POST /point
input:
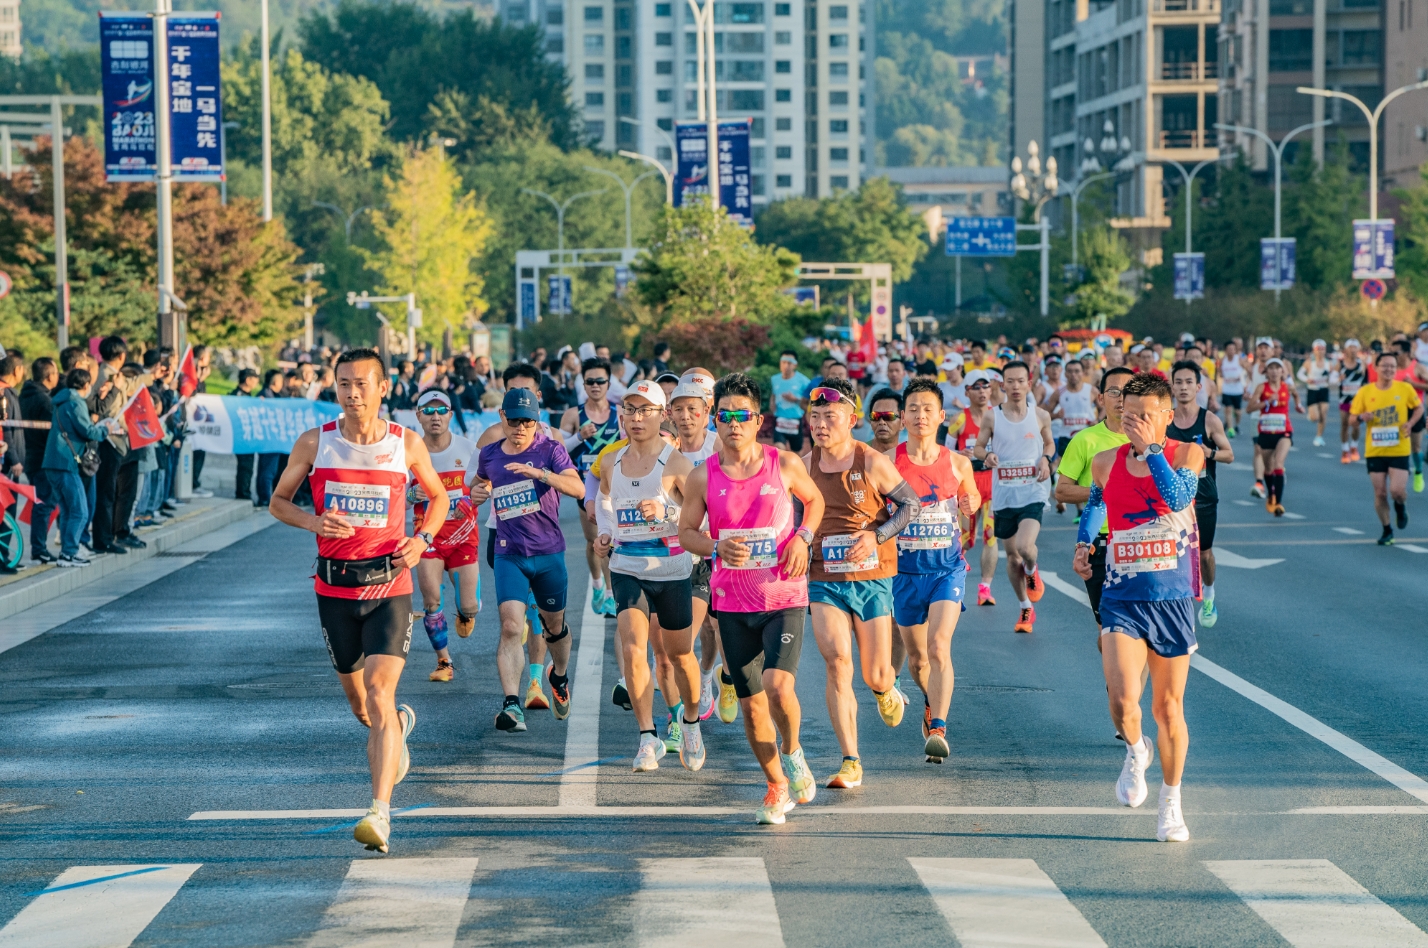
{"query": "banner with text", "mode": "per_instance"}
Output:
(691, 178)
(127, 71)
(226, 424)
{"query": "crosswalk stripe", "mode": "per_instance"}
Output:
(95, 907)
(1002, 903)
(415, 903)
(708, 902)
(1313, 903)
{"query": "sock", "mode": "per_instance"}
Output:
(1024, 603)
(650, 733)
(598, 582)
(1208, 592)
(938, 722)
(1167, 792)
(724, 677)
(558, 681)
(1028, 568)
(1417, 463)
(382, 807)
(511, 701)
(853, 759)
(1279, 481)
(1140, 749)
(676, 713)
(1347, 446)
(536, 671)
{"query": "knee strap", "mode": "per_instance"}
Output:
(552, 639)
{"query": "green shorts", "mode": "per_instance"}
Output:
(863, 598)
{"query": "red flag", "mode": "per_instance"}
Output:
(8, 490)
(187, 374)
(867, 343)
(142, 420)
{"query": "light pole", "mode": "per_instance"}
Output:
(223, 146)
(310, 271)
(560, 216)
(1372, 117)
(1037, 190)
(708, 98)
(350, 217)
(1189, 178)
(169, 323)
(1091, 165)
(266, 39)
(668, 172)
(1278, 151)
(629, 189)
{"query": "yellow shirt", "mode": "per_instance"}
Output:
(1390, 409)
(608, 449)
(1210, 368)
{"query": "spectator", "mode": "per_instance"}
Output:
(203, 365)
(307, 375)
(243, 483)
(404, 388)
(116, 484)
(66, 443)
(328, 381)
(270, 465)
(661, 358)
(36, 405)
(153, 459)
(78, 357)
(12, 374)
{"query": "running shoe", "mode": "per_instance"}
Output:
(1060, 507)
(890, 706)
(1418, 483)
(1278, 509)
(1170, 826)
(1354, 454)
(535, 698)
(1318, 441)
(926, 719)
(607, 606)
(1402, 516)
(620, 696)
(1344, 457)
(691, 747)
(1025, 621)
(511, 718)
(1035, 588)
(984, 595)
(67, 562)
(1229, 432)
(560, 695)
(1130, 788)
(673, 736)
(1258, 489)
(407, 716)
(850, 775)
(597, 600)
(1209, 615)
(1385, 540)
(373, 830)
(801, 785)
(706, 697)
(902, 695)
(728, 705)
(445, 671)
(936, 747)
(776, 804)
(465, 625)
(651, 750)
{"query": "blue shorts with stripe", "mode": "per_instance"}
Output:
(914, 593)
(1167, 625)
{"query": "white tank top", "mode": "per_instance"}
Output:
(699, 457)
(1078, 410)
(1232, 377)
(1018, 447)
(644, 549)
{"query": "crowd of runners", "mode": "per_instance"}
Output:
(719, 513)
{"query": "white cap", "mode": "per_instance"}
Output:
(1264, 341)
(978, 375)
(1278, 362)
(648, 390)
(1137, 348)
(433, 395)
(697, 385)
(1354, 343)
(952, 360)
(1187, 337)
(1320, 344)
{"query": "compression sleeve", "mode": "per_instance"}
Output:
(572, 441)
(908, 504)
(604, 514)
(1093, 517)
(1177, 487)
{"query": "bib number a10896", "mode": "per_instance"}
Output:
(1148, 549)
(361, 505)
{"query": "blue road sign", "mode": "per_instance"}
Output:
(981, 237)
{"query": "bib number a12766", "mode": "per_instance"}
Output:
(1148, 549)
(934, 528)
(515, 500)
(762, 543)
(835, 555)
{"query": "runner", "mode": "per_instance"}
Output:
(524, 475)
(358, 466)
(1271, 399)
(1193, 424)
(1144, 490)
(854, 560)
(746, 492)
(931, 571)
(788, 394)
(587, 430)
(1232, 386)
(1072, 410)
(1352, 375)
(1314, 372)
(457, 548)
(1414, 373)
(885, 417)
(1016, 444)
(962, 436)
(1263, 352)
(641, 487)
(1389, 408)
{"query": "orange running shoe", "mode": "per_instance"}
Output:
(984, 595)
(1026, 621)
(926, 720)
(1035, 588)
(1344, 457)
(1354, 454)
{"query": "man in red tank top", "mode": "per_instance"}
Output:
(963, 431)
(359, 466)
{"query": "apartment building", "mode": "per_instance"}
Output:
(1404, 145)
(10, 29)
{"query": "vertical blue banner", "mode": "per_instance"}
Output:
(560, 298)
(691, 178)
(527, 302)
(1373, 250)
(622, 280)
(1276, 263)
(126, 42)
(195, 100)
(1189, 276)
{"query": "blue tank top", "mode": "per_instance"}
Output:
(606, 434)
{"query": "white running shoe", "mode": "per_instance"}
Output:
(897, 687)
(373, 830)
(801, 785)
(1170, 827)
(407, 716)
(707, 691)
(691, 746)
(1318, 442)
(1131, 789)
(651, 750)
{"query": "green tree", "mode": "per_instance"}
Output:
(1105, 256)
(1412, 262)
(1318, 213)
(1238, 211)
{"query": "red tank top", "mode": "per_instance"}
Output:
(1274, 411)
(367, 484)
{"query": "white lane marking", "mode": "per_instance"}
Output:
(1312, 903)
(1412, 548)
(23, 626)
(602, 812)
(1224, 557)
(1385, 768)
(1290, 515)
(582, 735)
(415, 903)
(1360, 811)
(993, 903)
(708, 902)
(101, 915)
(1349, 531)
(1322, 454)
(1247, 503)
(1077, 593)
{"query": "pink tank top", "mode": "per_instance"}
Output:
(759, 511)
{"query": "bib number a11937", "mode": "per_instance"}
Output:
(515, 500)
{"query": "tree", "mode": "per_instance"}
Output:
(1229, 224)
(1319, 212)
(1412, 263)
(431, 233)
(1105, 257)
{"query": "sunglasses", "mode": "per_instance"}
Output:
(521, 422)
(884, 416)
(434, 410)
(604, 381)
(831, 396)
(729, 416)
(976, 385)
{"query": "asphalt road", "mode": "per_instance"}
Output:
(187, 746)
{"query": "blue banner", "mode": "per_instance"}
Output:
(981, 237)
(527, 301)
(1373, 250)
(127, 77)
(228, 424)
(1276, 263)
(195, 102)
(1189, 276)
(559, 301)
(691, 178)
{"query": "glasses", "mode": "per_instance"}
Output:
(883, 416)
(604, 381)
(521, 422)
(978, 385)
(1112, 393)
(729, 416)
(645, 412)
(831, 396)
(434, 410)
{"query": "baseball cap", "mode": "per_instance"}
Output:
(1320, 344)
(668, 377)
(1187, 337)
(1352, 342)
(1278, 362)
(433, 395)
(1422, 326)
(1264, 341)
(1136, 349)
(694, 386)
(649, 391)
(952, 360)
(978, 375)
(522, 403)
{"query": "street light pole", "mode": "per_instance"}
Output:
(666, 171)
(266, 39)
(629, 190)
(560, 219)
(708, 97)
(169, 328)
(1189, 179)
(350, 217)
(1372, 117)
(659, 166)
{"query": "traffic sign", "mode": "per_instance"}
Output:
(1374, 289)
(5, 284)
(981, 237)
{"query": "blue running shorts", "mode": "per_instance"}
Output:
(863, 598)
(914, 593)
(518, 577)
(1168, 625)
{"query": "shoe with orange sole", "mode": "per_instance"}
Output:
(1035, 588)
(1026, 620)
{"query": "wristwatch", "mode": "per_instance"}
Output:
(805, 534)
(424, 537)
(1154, 449)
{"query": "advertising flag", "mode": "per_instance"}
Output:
(195, 103)
(142, 420)
(127, 69)
(691, 178)
(187, 374)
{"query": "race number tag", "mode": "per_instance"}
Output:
(788, 426)
(1385, 437)
(1147, 549)
(515, 500)
(1076, 424)
(934, 528)
(835, 555)
(1016, 476)
(453, 496)
(1273, 424)
(361, 505)
(762, 543)
(630, 524)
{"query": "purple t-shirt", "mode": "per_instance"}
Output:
(527, 511)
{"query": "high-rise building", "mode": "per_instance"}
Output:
(1404, 145)
(10, 28)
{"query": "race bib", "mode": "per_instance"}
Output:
(1383, 437)
(453, 497)
(1076, 424)
(1349, 389)
(1146, 549)
(835, 555)
(1016, 476)
(762, 543)
(1273, 424)
(515, 500)
(934, 528)
(361, 505)
(631, 525)
(788, 426)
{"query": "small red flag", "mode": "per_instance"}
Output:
(142, 420)
(187, 374)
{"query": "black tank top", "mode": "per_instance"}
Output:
(1206, 492)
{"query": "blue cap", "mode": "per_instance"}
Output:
(521, 403)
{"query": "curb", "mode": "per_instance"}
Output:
(41, 584)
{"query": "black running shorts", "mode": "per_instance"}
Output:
(755, 641)
(1006, 521)
(699, 579)
(1318, 396)
(1268, 442)
(356, 628)
(1098, 578)
(1380, 465)
(669, 599)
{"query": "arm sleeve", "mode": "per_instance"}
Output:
(1093, 517)
(604, 514)
(572, 440)
(908, 504)
(1177, 486)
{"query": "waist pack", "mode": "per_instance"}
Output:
(349, 573)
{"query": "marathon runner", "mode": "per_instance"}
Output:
(457, 548)
(746, 491)
(1072, 410)
(854, 560)
(885, 418)
(524, 475)
(1352, 374)
(587, 430)
(1414, 373)
(1016, 444)
(358, 466)
(1315, 373)
(1193, 424)
(931, 571)
(1272, 398)
(1232, 386)
(1263, 352)
(963, 432)
(1144, 490)
(641, 488)
(788, 394)
(1388, 408)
